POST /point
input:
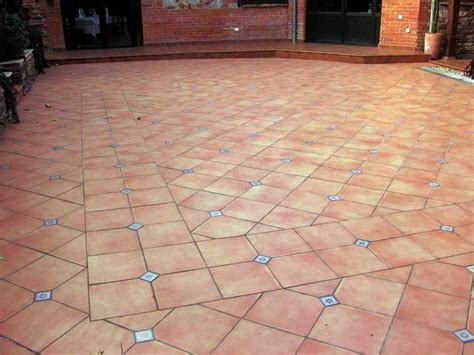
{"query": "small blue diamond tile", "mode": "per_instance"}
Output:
(286, 161)
(126, 191)
(168, 142)
(253, 134)
(256, 183)
(202, 129)
(5, 166)
(58, 147)
(443, 161)
(50, 222)
(188, 171)
(311, 142)
(149, 276)
(470, 268)
(216, 213)
(224, 150)
(135, 226)
(119, 165)
(334, 198)
(362, 243)
(446, 228)
(374, 151)
(356, 171)
(155, 122)
(434, 184)
(55, 177)
(329, 301)
(115, 145)
(262, 259)
(464, 335)
(43, 296)
(144, 335)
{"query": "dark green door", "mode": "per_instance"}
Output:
(344, 21)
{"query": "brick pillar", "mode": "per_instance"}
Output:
(404, 23)
(301, 20)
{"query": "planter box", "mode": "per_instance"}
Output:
(23, 70)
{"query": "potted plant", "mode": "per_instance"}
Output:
(432, 37)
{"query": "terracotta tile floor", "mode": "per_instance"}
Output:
(234, 206)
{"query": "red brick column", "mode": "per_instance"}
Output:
(301, 20)
(404, 23)
(51, 12)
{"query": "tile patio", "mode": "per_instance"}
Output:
(236, 206)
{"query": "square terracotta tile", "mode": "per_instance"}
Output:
(351, 260)
(157, 235)
(283, 217)
(226, 251)
(400, 251)
(286, 310)
(326, 236)
(14, 299)
(439, 277)
(370, 293)
(48, 238)
(207, 201)
(344, 210)
(115, 267)
(243, 279)
(120, 298)
(278, 243)
(408, 337)
(433, 309)
(40, 324)
(265, 194)
(174, 258)
(361, 195)
(442, 244)
(18, 226)
(352, 328)
(412, 222)
(223, 227)
(257, 338)
(46, 273)
(112, 241)
(228, 187)
(282, 180)
(372, 228)
(150, 197)
(102, 220)
(156, 214)
(182, 325)
(104, 202)
(305, 202)
(300, 269)
(247, 209)
(185, 288)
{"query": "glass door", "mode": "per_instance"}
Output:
(101, 23)
(344, 21)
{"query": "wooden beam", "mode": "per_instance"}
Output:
(453, 15)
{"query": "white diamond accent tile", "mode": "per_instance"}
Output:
(256, 183)
(5, 166)
(50, 222)
(188, 171)
(262, 259)
(216, 213)
(434, 184)
(329, 301)
(149, 276)
(144, 335)
(470, 268)
(286, 161)
(464, 335)
(374, 151)
(224, 150)
(55, 177)
(135, 226)
(58, 147)
(334, 198)
(362, 243)
(446, 228)
(443, 161)
(356, 171)
(311, 142)
(43, 296)
(119, 165)
(126, 191)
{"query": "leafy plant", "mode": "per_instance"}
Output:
(14, 36)
(434, 16)
(9, 93)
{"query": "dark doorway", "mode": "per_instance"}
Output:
(102, 23)
(344, 21)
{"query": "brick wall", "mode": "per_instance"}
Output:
(162, 25)
(415, 17)
(51, 11)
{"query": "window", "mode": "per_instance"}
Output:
(262, 2)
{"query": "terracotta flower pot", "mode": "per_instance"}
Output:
(433, 44)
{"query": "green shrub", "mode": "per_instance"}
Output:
(14, 36)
